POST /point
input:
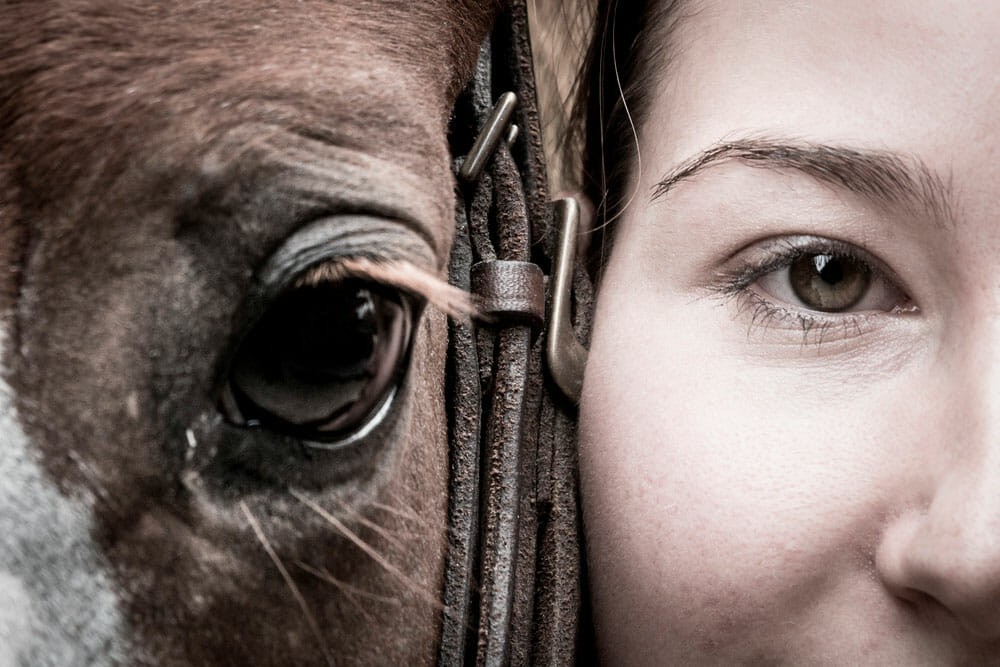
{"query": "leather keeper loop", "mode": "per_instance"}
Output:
(508, 290)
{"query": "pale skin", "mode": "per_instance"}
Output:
(764, 481)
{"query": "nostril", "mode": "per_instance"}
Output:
(916, 598)
(893, 559)
(942, 572)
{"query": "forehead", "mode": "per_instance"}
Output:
(358, 41)
(349, 58)
(105, 87)
(890, 74)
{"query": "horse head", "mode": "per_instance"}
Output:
(224, 237)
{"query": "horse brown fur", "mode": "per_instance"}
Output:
(152, 156)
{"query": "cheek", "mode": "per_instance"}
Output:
(725, 495)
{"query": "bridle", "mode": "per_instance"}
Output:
(514, 580)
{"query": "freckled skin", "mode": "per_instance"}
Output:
(753, 494)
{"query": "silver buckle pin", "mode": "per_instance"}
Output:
(565, 355)
(489, 137)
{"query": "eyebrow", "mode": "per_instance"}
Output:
(882, 176)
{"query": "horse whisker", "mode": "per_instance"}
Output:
(364, 546)
(296, 593)
(382, 531)
(325, 575)
(348, 591)
(100, 491)
(411, 516)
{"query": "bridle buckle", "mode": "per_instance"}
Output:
(565, 356)
(495, 129)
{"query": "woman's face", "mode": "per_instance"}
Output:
(790, 443)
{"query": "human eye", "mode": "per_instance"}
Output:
(814, 284)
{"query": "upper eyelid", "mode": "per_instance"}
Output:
(801, 244)
(782, 250)
(339, 238)
(389, 252)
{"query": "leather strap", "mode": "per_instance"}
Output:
(507, 290)
(513, 570)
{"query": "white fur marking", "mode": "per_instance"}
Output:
(192, 445)
(15, 610)
(57, 602)
(132, 405)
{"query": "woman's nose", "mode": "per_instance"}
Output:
(948, 555)
(943, 555)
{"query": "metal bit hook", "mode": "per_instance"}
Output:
(493, 131)
(565, 355)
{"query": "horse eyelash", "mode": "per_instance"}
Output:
(449, 299)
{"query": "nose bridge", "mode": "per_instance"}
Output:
(949, 550)
(972, 386)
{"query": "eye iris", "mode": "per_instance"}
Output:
(828, 282)
(322, 359)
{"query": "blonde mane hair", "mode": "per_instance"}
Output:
(560, 33)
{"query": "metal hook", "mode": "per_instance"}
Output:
(513, 132)
(565, 355)
(494, 130)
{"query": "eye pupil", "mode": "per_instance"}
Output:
(321, 359)
(327, 349)
(829, 269)
(829, 283)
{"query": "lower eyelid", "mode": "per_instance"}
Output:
(814, 327)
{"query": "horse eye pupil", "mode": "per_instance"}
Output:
(327, 349)
(321, 359)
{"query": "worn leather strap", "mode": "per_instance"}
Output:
(514, 566)
(510, 291)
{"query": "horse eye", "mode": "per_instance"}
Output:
(322, 361)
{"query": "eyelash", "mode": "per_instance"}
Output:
(737, 285)
(815, 328)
